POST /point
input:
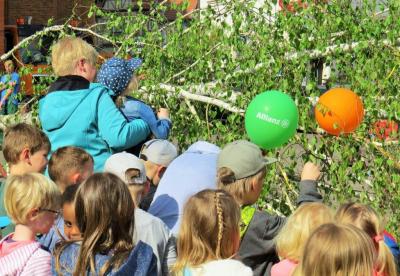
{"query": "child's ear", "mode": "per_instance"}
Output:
(76, 178)
(25, 155)
(32, 214)
(161, 170)
(80, 66)
(254, 183)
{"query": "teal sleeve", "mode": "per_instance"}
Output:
(115, 129)
(10, 228)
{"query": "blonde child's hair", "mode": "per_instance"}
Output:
(133, 85)
(67, 52)
(209, 226)
(29, 191)
(298, 228)
(21, 136)
(337, 250)
(237, 188)
(365, 218)
(67, 160)
(9, 61)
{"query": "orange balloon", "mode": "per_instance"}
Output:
(339, 111)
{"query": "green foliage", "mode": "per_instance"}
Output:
(249, 50)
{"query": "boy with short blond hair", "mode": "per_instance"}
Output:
(32, 201)
(70, 165)
(22, 142)
(25, 149)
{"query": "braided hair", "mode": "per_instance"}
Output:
(209, 229)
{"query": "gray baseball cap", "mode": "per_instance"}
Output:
(159, 151)
(119, 163)
(243, 158)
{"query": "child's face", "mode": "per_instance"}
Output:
(39, 161)
(9, 67)
(71, 229)
(254, 194)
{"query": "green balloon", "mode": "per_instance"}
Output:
(271, 119)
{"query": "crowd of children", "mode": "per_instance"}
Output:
(106, 211)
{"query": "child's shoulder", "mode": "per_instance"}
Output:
(264, 225)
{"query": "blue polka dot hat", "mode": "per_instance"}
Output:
(116, 73)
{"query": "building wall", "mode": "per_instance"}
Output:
(41, 11)
(2, 21)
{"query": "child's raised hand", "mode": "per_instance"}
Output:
(163, 113)
(310, 172)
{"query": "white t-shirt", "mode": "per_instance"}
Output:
(221, 267)
(152, 231)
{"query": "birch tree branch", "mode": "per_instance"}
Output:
(180, 92)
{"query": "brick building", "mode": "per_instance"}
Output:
(40, 11)
(60, 10)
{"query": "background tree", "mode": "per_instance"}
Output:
(207, 65)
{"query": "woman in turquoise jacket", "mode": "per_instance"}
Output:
(76, 112)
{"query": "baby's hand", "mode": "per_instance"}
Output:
(310, 172)
(163, 113)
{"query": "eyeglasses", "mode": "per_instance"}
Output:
(57, 213)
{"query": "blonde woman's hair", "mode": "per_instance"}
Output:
(298, 228)
(337, 250)
(365, 218)
(29, 191)
(209, 227)
(237, 188)
(67, 52)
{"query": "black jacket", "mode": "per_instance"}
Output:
(257, 248)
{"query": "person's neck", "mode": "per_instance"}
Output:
(23, 233)
(18, 169)
(136, 197)
(62, 186)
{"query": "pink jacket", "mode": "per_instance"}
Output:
(28, 259)
(283, 268)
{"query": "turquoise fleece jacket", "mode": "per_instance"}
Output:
(76, 113)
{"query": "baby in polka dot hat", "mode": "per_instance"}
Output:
(119, 75)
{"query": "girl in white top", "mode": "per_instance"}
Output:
(209, 236)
